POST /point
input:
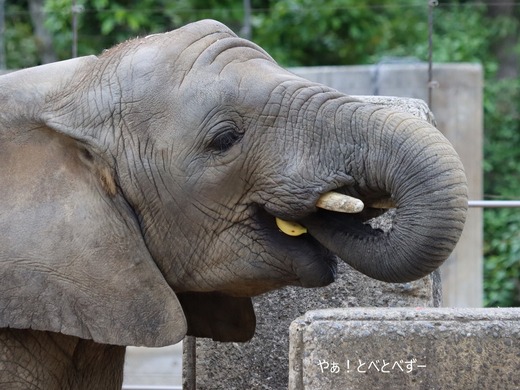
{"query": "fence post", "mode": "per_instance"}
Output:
(189, 363)
(2, 32)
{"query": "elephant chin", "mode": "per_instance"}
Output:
(314, 252)
(311, 263)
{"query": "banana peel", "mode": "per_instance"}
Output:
(290, 228)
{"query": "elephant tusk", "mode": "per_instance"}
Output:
(383, 204)
(332, 201)
(335, 201)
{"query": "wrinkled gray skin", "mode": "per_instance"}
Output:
(140, 188)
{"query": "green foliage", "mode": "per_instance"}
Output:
(58, 22)
(332, 32)
(502, 250)
(501, 172)
(20, 44)
(342, 32)
(459, 36)
(502, 138)
(103, 23)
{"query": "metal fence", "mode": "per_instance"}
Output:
(494, 203)
(145, 387)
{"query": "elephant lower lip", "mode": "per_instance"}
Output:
(311, 263)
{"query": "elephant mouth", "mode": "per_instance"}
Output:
(311, 264)
(333, 201)
(312, 261)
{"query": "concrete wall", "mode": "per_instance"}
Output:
(263, 362)
(434, 349)
(458, 109)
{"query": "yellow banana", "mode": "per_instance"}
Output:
(290, 228)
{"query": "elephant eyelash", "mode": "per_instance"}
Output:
(225, 140)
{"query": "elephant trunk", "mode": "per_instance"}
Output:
(410, 164)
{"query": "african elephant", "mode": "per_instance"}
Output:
(145, 194)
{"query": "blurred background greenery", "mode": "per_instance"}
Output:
(326, 32)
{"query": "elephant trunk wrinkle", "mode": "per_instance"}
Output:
(403, 163)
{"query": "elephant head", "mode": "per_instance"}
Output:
(141, 189)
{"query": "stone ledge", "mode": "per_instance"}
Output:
(416, 107)
(405, 348)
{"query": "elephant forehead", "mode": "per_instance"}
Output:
(199, 44)
(198, 55)
(247, 83)
(208, 40)
(194, 31)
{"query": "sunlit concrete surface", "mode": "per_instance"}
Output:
(153, 368)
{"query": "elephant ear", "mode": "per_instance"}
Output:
(72, 256)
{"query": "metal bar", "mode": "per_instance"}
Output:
(189, 363)
(494, 203)
(431, 5)
(3, 60)
(74, 11)
(246, 28)
(151, 387)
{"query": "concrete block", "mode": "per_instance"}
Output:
(416, 107)
(405, 348)
(263, 362)
(145, 367)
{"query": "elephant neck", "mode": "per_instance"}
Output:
(54, 361)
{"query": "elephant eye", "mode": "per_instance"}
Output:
(225, 139)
